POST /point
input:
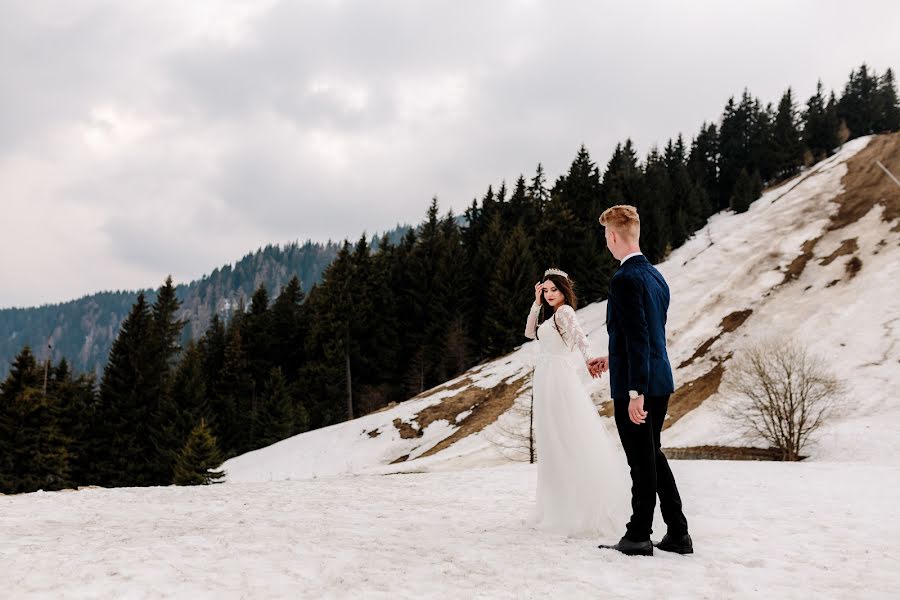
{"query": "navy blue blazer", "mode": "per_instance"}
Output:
(636, 323)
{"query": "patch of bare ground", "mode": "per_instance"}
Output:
(728, 324)
(724, 453)
(486, 406)
(795, 269)
(693, 393)
(407, 431)
(866, 185)
(847, 247)
(606, 408)
(853, 266)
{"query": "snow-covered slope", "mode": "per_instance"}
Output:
(814, 259)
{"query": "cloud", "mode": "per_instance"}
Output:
(155, 137)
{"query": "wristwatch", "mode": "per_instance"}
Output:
(632, 394)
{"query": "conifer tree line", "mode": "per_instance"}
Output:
(390, 321)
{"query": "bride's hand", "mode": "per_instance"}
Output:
(538, 292)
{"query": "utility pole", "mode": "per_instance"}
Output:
(889, 174)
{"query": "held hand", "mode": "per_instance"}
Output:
(599, 365)
(538, 292)
(636, 411)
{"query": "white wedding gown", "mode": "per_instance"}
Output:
(583, 487)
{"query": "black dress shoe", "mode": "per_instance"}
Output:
(626, 546)
(680, 544)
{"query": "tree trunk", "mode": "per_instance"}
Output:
(349, 380)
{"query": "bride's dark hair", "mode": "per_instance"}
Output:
(564, 285)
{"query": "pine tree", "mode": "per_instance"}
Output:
(654, 209)
(686, 214)
(756, 186)
(581, 191)
(453, 279)
(888, 108)
(787, 148)
(509, 294)
(76, 400)
(742, 195)
(189, 393)
(538, 191)
(329, 341)
(34, 450)
(820, 124)
(197, 458)
(289, 327)
(859, 104)
(703, 168)
(163, 413)
(275, 416)
(127, 397)
(490, 246)
(257, 335)
(236, 397)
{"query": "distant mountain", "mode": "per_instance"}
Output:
(83, 330)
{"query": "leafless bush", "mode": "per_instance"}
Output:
(780, 393)
(513, 433)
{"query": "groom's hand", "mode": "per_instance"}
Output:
(636, 411)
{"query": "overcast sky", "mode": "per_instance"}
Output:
(140, 138)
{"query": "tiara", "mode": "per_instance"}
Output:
(555, 271)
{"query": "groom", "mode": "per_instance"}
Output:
(641, 382)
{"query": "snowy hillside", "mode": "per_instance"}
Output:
(814, 259)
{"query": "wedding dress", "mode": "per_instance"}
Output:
(582, 481)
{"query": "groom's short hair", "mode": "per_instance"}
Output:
(624, 219)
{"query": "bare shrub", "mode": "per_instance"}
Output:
(513, 434)
(780, 393)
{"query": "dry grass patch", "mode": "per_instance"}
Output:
(728, 324)
(853, 266)
(406, 430)
(486, 406)
(693, 394)
(847, 247)
(795, 269)
(866, 185)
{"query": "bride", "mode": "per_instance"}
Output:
(581, 485)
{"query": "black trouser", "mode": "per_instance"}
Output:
(650, 472)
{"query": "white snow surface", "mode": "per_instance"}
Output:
(761, 530)
(734, 263)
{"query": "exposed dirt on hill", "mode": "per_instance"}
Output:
(847, 247)
(866, 186)
(728, 324)
(486, 405)
(694, 393)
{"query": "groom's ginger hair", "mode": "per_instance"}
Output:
(624, 219)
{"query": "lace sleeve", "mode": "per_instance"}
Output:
(531, 324)
(572, 332)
